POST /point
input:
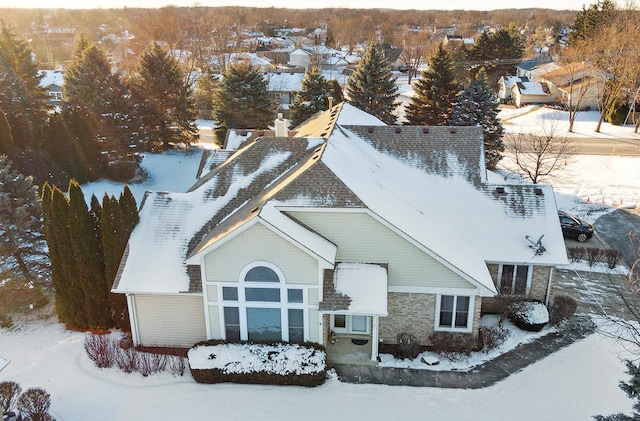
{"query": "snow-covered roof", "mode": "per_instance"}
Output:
(509, 81)
(284, 82)
(532, 88)
(51, 77)
(428, 184)
(365, 284)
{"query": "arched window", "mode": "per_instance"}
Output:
(262, 307)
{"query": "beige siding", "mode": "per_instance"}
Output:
(360, 237)
(170, 320)
(314, 326)
(214, 322)
(260, 243)
(313, 296)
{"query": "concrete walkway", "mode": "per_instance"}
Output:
(487, 374)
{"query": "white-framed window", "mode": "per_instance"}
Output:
(514, 279)
(454, 313)
(351, 324)
(262, 307)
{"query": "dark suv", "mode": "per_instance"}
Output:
(575, 228)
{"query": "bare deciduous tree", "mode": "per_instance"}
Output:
(416, 45)
(537, 157)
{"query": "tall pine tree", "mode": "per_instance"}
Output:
(91, 87)
(436, 92)
(313, 97)
(7, 145)
(21, 230)
(22, 99)
(478, 106)
(242, 101)
(372, 87)
(165, 100)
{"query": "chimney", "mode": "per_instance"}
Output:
(281, 126)
(330, 102)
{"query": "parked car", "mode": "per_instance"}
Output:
(575, 228)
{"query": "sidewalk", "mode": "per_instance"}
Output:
(487, 374)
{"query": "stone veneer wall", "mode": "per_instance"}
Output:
(415, 314)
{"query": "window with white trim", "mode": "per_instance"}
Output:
(262, 307)
(350, 324)
(514, 279)
(454, 312)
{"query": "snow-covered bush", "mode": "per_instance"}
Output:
(278, 363)
(35, 403)
(492, 337)
(101, 349)
(453, 345)
(529, 315)
(9, 393)
(408, 346)
(562, 307)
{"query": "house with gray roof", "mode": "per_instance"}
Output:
(347, 228)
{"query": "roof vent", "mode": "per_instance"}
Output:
(452, 129)
(500, 190)
(369, 129)
(323, 134)
(243, 133)
(537, 191)
(425, 130)
(398, 130)
(254, 210)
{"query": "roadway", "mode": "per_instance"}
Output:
(606, 146)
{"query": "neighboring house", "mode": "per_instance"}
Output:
(533, 68)
(526, 93)
(575, 84)
(52, 81)
(505, 83)
(282, 86)
(262, 63)
(348, 228)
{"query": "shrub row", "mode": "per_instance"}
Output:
(105, 351)
(267, 353)
(594, 255)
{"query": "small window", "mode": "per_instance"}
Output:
(340, 321)
(232, 323)
(271, 295)
(261, 274)
(454, 312)
(294, 296)
(230, 293)
(296, 325)
(514, 279)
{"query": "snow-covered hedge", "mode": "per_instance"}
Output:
(279, 363)
(529, 315)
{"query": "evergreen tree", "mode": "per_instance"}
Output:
(115, 234)
(165, 99)
(436, 92)
(242, 100)
(7, 145)
(69, 294)
(589, 21)
(89, 266)
(129, 210)
(507, 43)
(336, 91)
(313, 97)
(372, 88)
(22, 99)
(632, 389)
(91, 87)
(21, 230)
(478, 106)
(482, 49)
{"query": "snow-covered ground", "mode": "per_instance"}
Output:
(571, 384)
(574, 383)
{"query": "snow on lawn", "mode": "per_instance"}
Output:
(173, 171)
(574, 383)
(540, 119)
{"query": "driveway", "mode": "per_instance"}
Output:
(615, 228)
